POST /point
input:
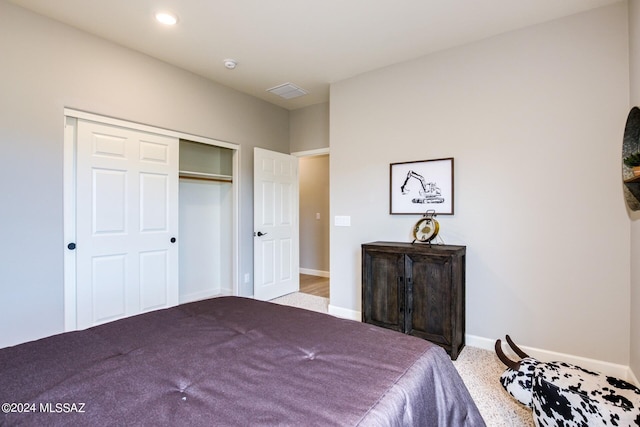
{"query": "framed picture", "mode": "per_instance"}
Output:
(416, 187)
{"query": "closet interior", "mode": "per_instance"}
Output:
(205, 221)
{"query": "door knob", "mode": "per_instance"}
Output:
(71, 246)
(260, 234)
(173, 240)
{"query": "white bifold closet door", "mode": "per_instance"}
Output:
(127, 222)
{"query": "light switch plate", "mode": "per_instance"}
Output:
(342, 221)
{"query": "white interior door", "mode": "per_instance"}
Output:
(275, 219)
(127, 222)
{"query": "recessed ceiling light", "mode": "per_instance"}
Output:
(166, 18)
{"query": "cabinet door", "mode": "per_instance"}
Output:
(383, 289)
(429, 298)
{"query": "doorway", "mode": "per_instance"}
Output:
(314, 222)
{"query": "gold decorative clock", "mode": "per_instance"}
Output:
(426, 229)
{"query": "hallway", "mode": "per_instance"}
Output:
(314, 285)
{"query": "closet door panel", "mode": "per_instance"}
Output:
(127, 212)
(154, 203)
(154, 279)
(109, 204)
(109, 285)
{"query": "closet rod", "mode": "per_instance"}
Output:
(205, 178)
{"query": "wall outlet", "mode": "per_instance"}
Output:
(317, 215)
(246, 277)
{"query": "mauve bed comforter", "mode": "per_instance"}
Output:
(232, 361)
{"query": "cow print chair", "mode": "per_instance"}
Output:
(561, 394)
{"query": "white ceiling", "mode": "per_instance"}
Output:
(310, 43)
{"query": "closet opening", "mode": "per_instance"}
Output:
(205, 200)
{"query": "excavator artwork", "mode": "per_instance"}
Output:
(430, 192)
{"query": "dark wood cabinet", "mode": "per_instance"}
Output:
(417, 289)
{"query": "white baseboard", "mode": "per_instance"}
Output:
(607, 368)
(209, 293)
(312, 272)
(344, 313)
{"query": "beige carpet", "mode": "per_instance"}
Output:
(480, 370)
(307, 301)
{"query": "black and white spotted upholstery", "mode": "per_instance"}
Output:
(561, 394)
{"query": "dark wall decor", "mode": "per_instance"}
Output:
(631, 157)
(415, 187)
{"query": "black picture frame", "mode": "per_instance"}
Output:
(418, 186)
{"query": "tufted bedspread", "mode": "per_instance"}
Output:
(233, 361)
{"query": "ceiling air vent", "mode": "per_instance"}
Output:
(287, 91)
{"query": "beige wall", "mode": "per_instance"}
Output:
(534, 119)
(309, 131)
(314, 202)
(47, 66)
(634, 60)
(309, 128)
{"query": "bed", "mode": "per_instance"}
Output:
(233, 361)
